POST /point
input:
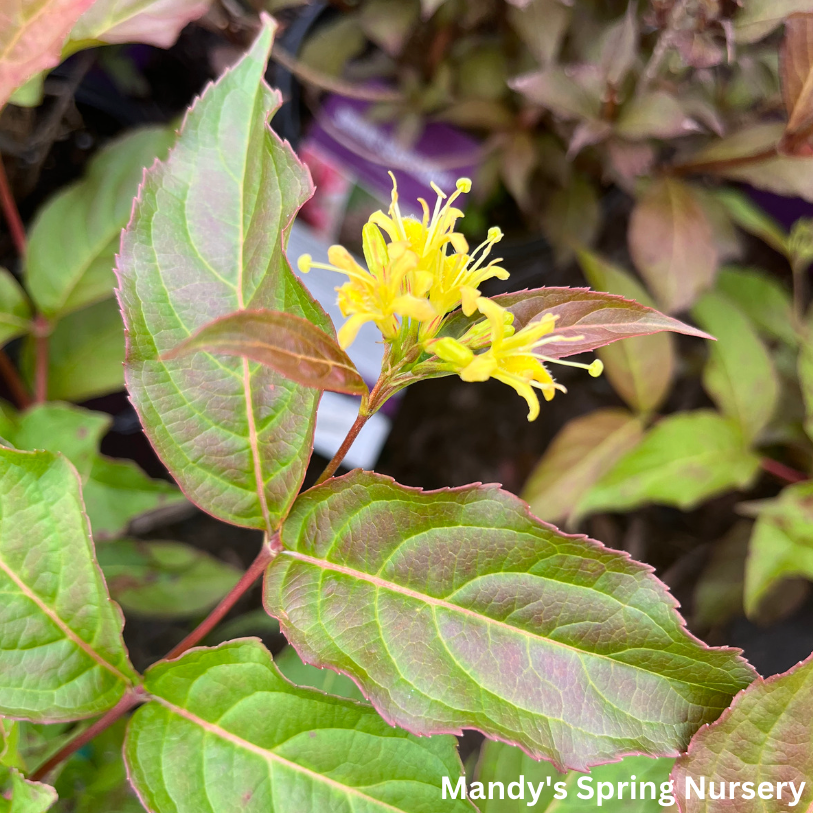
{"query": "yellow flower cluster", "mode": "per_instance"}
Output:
(412, 282)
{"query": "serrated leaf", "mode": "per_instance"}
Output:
(326, 680)
(739, 375)
(503, 763)
(656, 114)
(757, 18)
(762, 298)
(118, 491)
(73, 431)
(61, 652)
(597, 318)
(235, 435)
(31, 37)
(796, 72)
(783, 174)
(764, 737)
(287, 748)
(672, 244)
(640, 369)
(534, 637)
(685, 459)
(558, 91)
(288, 344)
(781, 544)
(15, 312)
(155, 22)
(164, 579)
(85, 354)
(27, 797)
(583, 451)
(749, 217)
(75, 236)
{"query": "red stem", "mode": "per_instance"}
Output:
(12, 215)
(781, 471)
(132, 698)
(336, 461)
(255, 570)
(15, 384)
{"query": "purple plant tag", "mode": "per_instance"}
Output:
(368, 149)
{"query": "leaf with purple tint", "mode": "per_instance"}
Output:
(227, 732)
(458, 609)
(289, 344)
(764, 738)
(61, 652)
(207, 238)
(597, 318)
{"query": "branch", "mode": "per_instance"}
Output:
(15, 384)
(781, 471)
(336, 461)
(10, 212)
(132, 698)
(255, 570)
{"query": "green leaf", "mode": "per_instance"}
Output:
(118, 491)
(559, 92)
(749, 217)
(284, 748)
(781, 544)
(739, 375)
(782, 174)
(541, 25)
(15, 312)
(235, 435)
(75, 237)
(164, 579)
(685, 459)
(757, 18)
(764, 737)
(585, 319)
(583, 451)
(571, 217)
(27, 797)
(286, 343)
(73, 431)
(656, 114)
(506, 764)
(31, 36)
(762, 298)
(672, 244)
(326, 680)
(640, 369)
(86, 354)
(805, 369)
(61, 652)
(457, 609)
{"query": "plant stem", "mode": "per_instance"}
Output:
(42, 330)
(12, 215)
(336, 461)
(132, 697)
(15, 384)
(781, 471)
(255, 570)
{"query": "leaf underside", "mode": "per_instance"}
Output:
(206, 239)
(457, 609)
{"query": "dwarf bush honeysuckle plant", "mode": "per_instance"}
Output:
(451, 610)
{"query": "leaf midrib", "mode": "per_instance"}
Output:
(378, 582)
(270, 756)
(67, 631)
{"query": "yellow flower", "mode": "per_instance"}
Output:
(381, 294)
(512, 357)
(454, 278)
